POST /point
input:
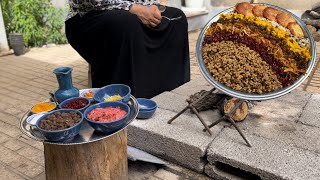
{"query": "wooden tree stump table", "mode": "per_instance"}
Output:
(105, 159)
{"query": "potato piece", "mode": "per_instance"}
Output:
(244, 8)
(295, 29)
(271, 13)
(284, 19)
(258, 10)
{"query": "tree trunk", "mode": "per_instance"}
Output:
(105, 159)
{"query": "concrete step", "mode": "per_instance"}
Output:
(266, 159)
(181, 142)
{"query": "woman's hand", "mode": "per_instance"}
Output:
(149, 15)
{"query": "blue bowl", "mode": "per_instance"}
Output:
(60, 135)
(108, 127)
(114, 89)
(146, 114)
(146, 104)
(63, 103)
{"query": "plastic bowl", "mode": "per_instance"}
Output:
(114, 89)
(146, 104)
(61, 105)
(60, 135)
(146, 114)
(84, 91)
(108, 127)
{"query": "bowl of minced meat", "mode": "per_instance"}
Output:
(107, 116)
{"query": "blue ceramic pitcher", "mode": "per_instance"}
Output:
(66, 89)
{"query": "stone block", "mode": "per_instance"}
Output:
(10, 158)
(182, 142)
(6, 173)
(284, 131)
(4, 137)
(166, 175)
(138, 170)
(266, 158)
(177, 102)
(288, 107)
(30, 169)
(31, 142)
(32, 154)
(193, 86)
(311, 114)
(10, 130)
(171, 101)
(14, 144)
(277, 120)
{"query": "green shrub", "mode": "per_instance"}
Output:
(38, 21)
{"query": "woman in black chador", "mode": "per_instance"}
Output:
(131, 42)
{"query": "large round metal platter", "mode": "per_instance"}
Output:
(87, 133)
(250, 96)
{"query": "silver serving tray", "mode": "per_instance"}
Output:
(249, 96)
(87, 133)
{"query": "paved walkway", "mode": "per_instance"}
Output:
(27, 80)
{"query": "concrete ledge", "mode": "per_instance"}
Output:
(182, 142)
(278, 120)
(267, 159)
(287, 107)
(311, 114)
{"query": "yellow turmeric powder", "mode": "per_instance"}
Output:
(43, 107)
(112, 98)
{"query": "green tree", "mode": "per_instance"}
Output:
(38, 21)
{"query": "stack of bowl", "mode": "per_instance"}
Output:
(147, 108)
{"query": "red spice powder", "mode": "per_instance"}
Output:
(108, 114)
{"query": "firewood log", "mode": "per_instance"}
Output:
(209, 102)
(240, 114)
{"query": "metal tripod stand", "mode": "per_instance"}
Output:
(227, 116)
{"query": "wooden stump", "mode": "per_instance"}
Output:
(105, 159)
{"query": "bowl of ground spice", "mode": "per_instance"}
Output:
(77, 103)
(107, 117)
(60, 125)
(43, 107)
